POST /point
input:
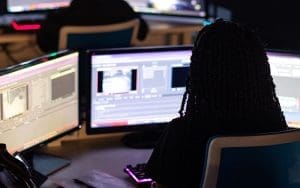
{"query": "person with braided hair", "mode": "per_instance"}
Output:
(229, 91)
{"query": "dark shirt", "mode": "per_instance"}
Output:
(177, 160)
(86, 12)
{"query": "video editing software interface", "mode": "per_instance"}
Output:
(142, 87)
(14, 6)
(171, 7)
(285, 69)
(38, 100)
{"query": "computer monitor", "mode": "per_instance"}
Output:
(135, 88)
(285, 69)
(18, 6)
(180, 10)
(27, 15)
(141, 88)
(39, 101)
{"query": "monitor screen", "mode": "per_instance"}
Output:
(142, 87)
(38, 100)
(135, 87)
(16, 6)
(195, 8)
(285, 69)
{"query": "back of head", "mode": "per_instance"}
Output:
(230, 75)
(84, 4)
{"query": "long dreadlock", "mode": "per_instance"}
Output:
(229, 75)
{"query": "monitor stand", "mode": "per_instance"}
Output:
(41, 165)
(142, 139)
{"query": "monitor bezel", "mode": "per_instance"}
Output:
(138, 127)
(37, 61)
(283, 51)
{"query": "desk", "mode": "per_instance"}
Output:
(160, 33)
(16, 38)
(105, 153)
(17, 47)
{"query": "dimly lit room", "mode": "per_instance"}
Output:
(149, 94)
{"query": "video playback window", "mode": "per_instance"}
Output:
(63, 85)
(14, 102)
(117, 81)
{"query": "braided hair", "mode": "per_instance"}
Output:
(229, 75)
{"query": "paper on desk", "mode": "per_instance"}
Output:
(97, 178)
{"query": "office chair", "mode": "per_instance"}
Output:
(258, 161)
(99, 36)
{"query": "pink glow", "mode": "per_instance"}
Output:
(25, 27)
(135, 178)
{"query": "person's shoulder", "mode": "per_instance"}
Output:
(123, 1)
(177, 120)
(57, 15)
(125, 4)
(179, 123)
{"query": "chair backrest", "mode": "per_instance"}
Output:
(269, 160)
(99, 36)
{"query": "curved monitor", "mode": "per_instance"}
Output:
(135, 88)
(169, 9)
(38, 101)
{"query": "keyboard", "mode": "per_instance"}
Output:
(137, 173)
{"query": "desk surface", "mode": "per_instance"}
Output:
(105, 154)
(20, 47)
(155, 28)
